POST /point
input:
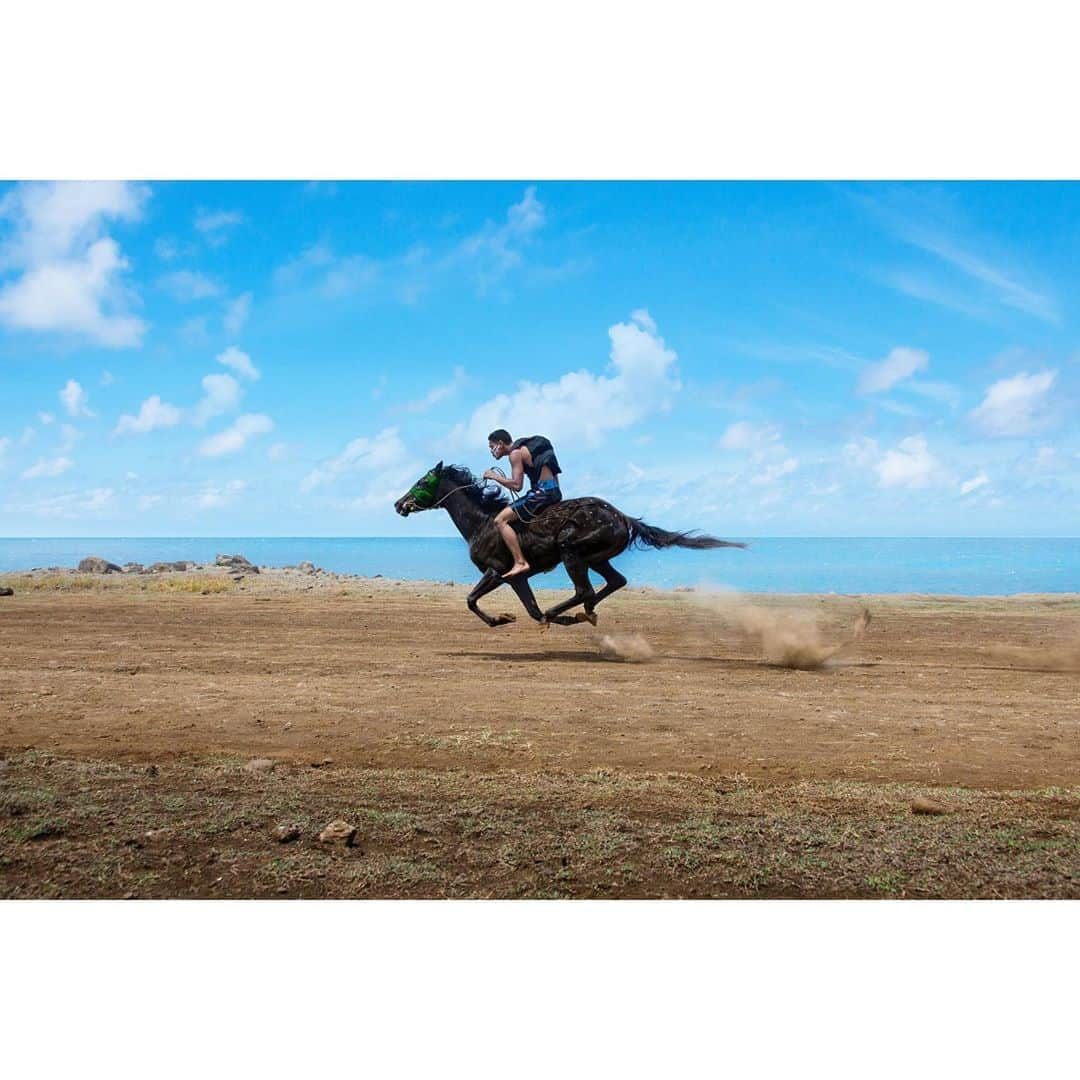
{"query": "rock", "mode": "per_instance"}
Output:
(338, 832)
(920, 805)
(306, 567)
(286, 834)
(132, 568)
(95, 564)
(6, 591)
(236, 562)
(259, 764)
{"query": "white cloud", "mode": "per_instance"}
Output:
(27, 435)
(771, 473)
(379, 453)
(5, 442)
(486, 257)
(747, 436)
(1015, 406)
(146, 501)
(107, 378)
(235, 438)
(70, 274)
(221, 394)
(236, 314)
(861, 451)
(581, 407)
(187, 285)
(240, 362)
(900, 364)
(70, 505)
(48, 468)
(213, 222)
(154, 413)
(69, 436)
(910, 465)
(279, 451)
(438, 393)
(45, 418)
(974, 483)
(498, 248)
(74, 398)
(219, 496)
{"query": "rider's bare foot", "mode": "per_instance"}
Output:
(517, 568)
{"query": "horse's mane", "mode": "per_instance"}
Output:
(491, 501)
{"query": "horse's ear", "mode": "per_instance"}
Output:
(438, 468)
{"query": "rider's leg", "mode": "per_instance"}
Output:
(510, 538)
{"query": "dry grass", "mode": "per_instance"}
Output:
(54, 582)
(184, 583)
(74, 828)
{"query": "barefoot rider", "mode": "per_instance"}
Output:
(534, 457)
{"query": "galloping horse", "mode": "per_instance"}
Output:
(582, 534)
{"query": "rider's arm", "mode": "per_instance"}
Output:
(517, 470)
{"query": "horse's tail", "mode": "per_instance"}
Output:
(652, 536)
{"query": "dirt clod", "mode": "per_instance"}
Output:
(286, 834)
(921, 805)
(259, 764)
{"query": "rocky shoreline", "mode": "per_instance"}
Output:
(226, 568)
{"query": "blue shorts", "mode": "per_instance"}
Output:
(540, 498)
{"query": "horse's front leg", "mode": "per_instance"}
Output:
(490, 581)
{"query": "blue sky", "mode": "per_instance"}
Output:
(748, 358)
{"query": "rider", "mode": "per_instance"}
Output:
(534, 457)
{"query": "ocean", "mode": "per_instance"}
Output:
(960, 567)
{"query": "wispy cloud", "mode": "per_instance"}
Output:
(235, 437)
(900, 364)
(484, 258)
(45, 467)
(438, 393)
(189, 285)
(1005, 285)
(216, 224)
(236, 313)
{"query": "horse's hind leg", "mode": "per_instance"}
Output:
(614, 580)
(583, 590)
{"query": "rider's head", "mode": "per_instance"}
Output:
(499, 442)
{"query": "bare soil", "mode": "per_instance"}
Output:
(526, 762)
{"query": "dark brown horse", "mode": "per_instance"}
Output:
(582, 534)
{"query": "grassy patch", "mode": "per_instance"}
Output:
(54, 583)
(202, 584)
(205, 829)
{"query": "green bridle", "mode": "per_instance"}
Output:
(425, 489)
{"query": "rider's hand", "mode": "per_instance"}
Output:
(489, 474)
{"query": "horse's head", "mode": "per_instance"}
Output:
(422, 495)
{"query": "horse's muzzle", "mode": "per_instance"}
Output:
(406, 505)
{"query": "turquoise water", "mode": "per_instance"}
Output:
(963, 567)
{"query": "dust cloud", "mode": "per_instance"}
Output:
(630, 648)
(791, 639)
(1061, 657)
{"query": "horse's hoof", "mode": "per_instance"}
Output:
(586, 616)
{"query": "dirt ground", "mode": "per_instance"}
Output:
(525, 762)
